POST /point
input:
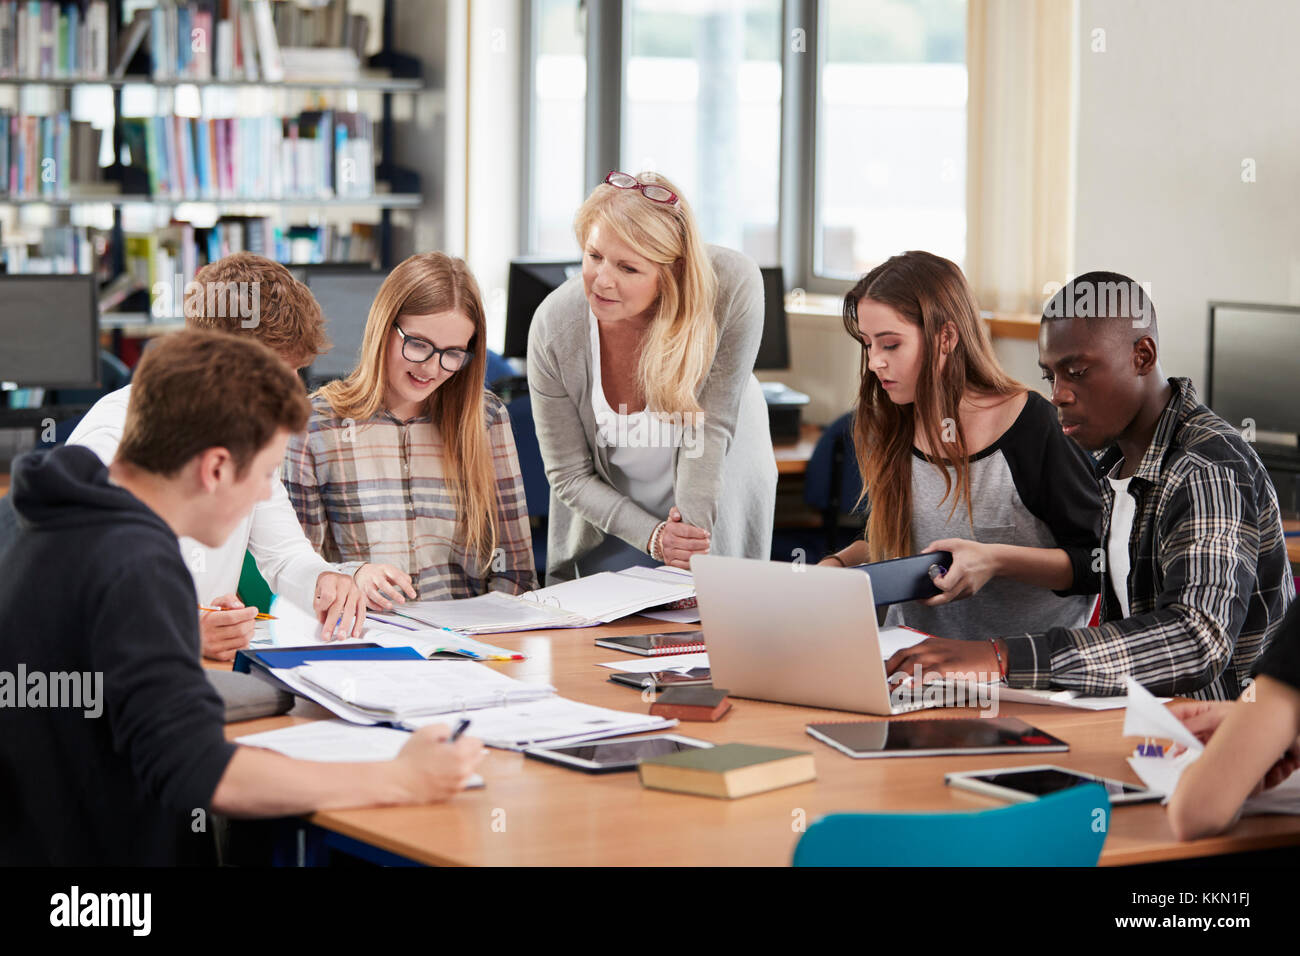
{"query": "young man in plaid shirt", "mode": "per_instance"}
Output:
(1194, 572)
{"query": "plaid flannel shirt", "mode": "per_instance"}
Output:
(1209, 578)
(375, 491)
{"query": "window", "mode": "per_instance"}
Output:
(702, 105)
(556, 178)
(891, 133)
(873, 121)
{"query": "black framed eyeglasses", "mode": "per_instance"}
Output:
(418, 350)
(652, 191)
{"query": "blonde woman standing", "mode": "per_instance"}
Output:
(651, 424)
(409, 461)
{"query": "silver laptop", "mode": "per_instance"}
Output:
(797, 634)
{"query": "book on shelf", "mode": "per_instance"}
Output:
(314, 155)
(52, 249)
(44, 156)
(328, 26)
(45, 39)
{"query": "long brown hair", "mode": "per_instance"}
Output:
(427, 283)
(679, 346)
(930, 292)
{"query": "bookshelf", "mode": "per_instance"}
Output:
(387, 74)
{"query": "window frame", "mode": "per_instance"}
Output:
(799, 188)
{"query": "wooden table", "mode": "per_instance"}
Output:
(535, 814)
(792, 456)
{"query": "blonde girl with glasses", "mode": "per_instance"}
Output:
(651, 424)
(409, 461)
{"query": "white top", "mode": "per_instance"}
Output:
(271, 531)
(640, 444)
(1121, 529)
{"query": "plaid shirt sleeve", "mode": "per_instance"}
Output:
(300, 481)
(511, 569)
(1208, 542)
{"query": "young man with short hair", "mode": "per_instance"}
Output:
(96, 599)
(1195, 579)
(251, 296)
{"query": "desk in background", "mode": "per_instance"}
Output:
(534, 814)
(792, 456)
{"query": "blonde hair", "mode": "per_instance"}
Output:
(427, 283)
(683, 335)
(931, 293)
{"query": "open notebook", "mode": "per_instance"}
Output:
(583, 602)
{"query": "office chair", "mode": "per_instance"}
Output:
(1063, 829)
(832, 485)
(537, 490)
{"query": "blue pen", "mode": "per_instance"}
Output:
(460, 729)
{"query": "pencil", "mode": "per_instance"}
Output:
(260, 616)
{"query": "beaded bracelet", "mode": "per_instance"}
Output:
(656, 540)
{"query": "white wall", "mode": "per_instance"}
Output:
(1184, 92)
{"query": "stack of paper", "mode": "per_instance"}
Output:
(584, 602)
(397, 691)
(503, 712)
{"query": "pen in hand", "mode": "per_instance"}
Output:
(460, 729)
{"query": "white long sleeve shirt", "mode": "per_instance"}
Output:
(271, 532)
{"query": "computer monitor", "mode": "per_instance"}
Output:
(1251, 366)
(345, 295)
(774, 348)
(49, 331)
(530, 281)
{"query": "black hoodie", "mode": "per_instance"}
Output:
(94, 594)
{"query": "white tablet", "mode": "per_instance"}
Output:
(606, 756)
(1023, 784)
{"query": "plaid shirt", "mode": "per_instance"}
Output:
(1209, 578)
(375, 491)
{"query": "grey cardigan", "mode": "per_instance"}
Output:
(727, 487)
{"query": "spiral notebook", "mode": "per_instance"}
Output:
(583, 602)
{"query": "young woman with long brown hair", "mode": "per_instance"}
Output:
(408, 461)
(957, 456)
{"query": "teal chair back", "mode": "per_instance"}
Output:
(1064, 829)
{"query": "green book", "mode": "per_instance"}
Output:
(728, 770)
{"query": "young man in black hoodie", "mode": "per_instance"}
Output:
(112, 749)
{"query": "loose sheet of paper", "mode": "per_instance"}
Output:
(681, 615)
(668, 662)
(895, 639)
(335, 741)
(1147, 717)
(487, 613)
